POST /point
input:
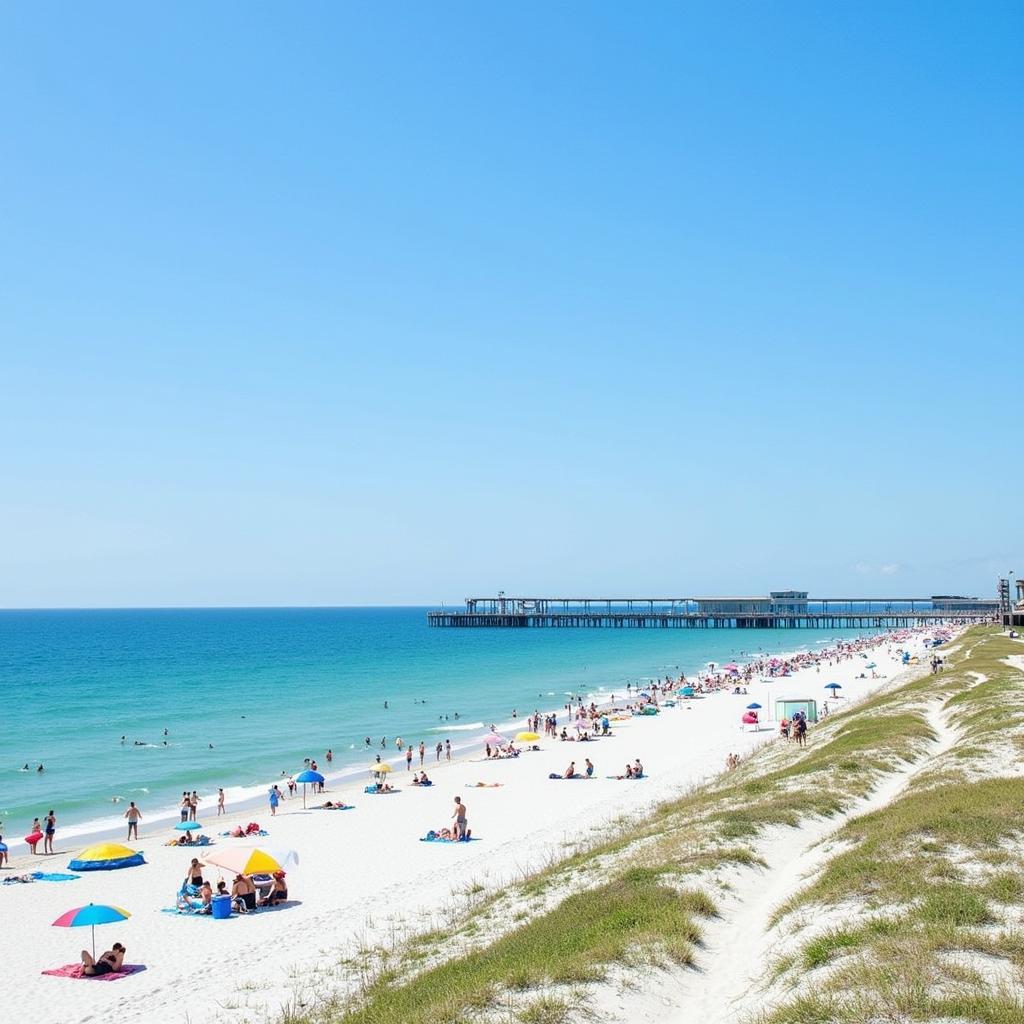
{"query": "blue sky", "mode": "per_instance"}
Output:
(341, 304)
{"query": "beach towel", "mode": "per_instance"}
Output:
(241, 835)
(347, 807)
(374, 791)
(625, 778)
(433, 837)
(484, 785)
(75, 971)
(570, 778)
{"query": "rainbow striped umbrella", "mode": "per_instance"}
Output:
(91, 915)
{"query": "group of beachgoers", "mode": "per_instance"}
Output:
(247, 893)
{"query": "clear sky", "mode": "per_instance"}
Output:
(338, 303)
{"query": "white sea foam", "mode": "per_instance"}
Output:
(461, 727)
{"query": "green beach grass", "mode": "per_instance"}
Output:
(931, 875)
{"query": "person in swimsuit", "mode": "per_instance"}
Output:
(243, 893)
(194, 875)
(4, 858)
(570, 772)
(220, 803)
(279, 892)
(590, 767)
(193, 806)
(37, 830)
(186, 804)
(133, 814)
(108, 963)
(459, 814)
(49, 830)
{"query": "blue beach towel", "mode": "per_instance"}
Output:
(433, 837)
(347, 807)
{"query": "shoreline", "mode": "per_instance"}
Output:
(351, 779)
(364, 878)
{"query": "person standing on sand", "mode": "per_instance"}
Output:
(408, 758)
(423, 750)
(459, 814)
(220, 802)
(50, 827)
(447, 750)
(437, 751)
(185, 805)
(275, 799)
(193, 806)
(133, 814)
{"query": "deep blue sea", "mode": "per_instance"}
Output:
(268, 687)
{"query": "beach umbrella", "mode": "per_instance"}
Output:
(91, 915)
(687, 691)
(285, 856)
(871, 664)
(754, 706)
(833, 687)
(308, 776)
(188, 826)
(254, 861)
(106, 857)
(381, 768)
(527, 737)
(493, 737)
(731, 667)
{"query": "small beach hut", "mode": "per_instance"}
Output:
(106, 857)
(786, 707)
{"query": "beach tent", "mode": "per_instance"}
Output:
(106, 857)
(786, 707)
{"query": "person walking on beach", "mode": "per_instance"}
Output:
(186, 803)
(133, 814)
(408, 758)
(459, 814)
(275, 799)
(423, 750)
(50, 827)
(437, 751)
(447, 750)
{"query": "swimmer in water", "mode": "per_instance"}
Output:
(39, 769)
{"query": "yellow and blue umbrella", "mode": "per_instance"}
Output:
(106, 857)
(91, 915)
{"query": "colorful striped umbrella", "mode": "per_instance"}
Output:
(92, 915)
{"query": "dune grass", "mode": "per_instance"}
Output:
(943, 866)
(637, 894)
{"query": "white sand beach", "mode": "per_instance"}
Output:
(364, 877)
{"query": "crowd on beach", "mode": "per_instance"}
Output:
(580, 720)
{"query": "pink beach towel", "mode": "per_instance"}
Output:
(75, 971)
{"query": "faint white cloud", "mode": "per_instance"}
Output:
(889, 570)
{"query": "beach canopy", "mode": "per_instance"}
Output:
(493, 737)
(754, 706)
(188, 826)
(527, 737)
(91, 915)
(244, 862)
(380, 767)
(106, 857)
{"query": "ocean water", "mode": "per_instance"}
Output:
(269, 687)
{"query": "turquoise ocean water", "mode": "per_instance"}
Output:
(268, 687)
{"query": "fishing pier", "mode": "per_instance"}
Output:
(784, 609)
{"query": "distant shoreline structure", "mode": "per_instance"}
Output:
(780, 609)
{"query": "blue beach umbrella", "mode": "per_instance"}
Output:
(308, 776)
(92, 915)
(833, 687)
(687, 691)
(188, 826)
(754, 706)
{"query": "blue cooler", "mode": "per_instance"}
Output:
(221, 907)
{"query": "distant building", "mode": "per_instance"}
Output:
(957, 603)
(778, 602)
